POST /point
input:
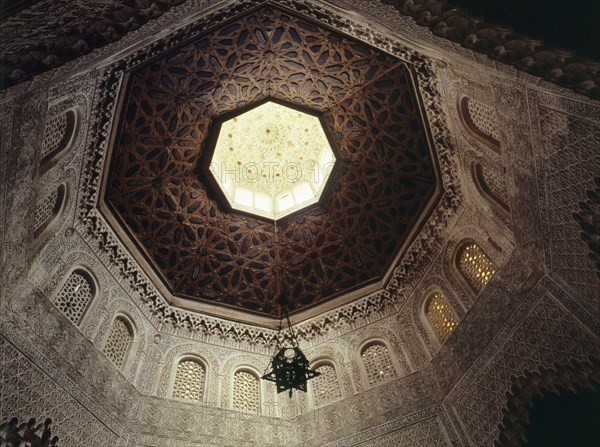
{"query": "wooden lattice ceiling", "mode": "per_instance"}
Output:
(204, 252)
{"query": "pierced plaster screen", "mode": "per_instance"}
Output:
(47, 208)
(189, 381)
(58, 134)
(118, 342)
(55, 134)
(440, 316)
(246, 392)
(325, 387)
(475, 266)
(493, 185)
(483, 118)
(378, 363)
(272, 160)
(74, 297)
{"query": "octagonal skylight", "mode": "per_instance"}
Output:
(272, 160)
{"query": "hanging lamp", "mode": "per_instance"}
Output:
(289, 366)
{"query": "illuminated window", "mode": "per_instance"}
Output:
(75, 296)
(246, 392)
(440, 316)
(118, 342)
(475, 266)
(272, 160)
(189, 381)
(325, 387)
(378, 363)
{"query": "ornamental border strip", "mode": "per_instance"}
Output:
(99, 235)
(47, 367)
(440, 17)
(390, 427)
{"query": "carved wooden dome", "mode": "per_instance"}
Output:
(202, 250)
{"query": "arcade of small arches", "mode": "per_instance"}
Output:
(189, 375)
(189, 378)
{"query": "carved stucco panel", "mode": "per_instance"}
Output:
(6, 130)
(28, 392)
(19, 201)
(567, 148)
(428, 433)
(520, 162)
(164, 422)
(547, 335)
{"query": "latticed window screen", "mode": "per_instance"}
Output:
(495, 185)
(44, 209)
(74, 297)
(475, 266)
(378, 363)
(118, 342)
(483, 118)
(440, 316)
(189, 380)
(246, 392)
(54, 134)
(325, 387)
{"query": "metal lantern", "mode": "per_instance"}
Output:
(289, 370)
(289, 366)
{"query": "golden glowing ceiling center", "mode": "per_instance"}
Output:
(272, 160)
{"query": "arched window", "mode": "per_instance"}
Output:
(75, 296)
(325, 387)
(378, 363)
(480, 119)
(246, 391)
(440, 315)
(58, 134)
(475, 266)
(189, 380)
(491, 186)
(47, 208)
(119, 341)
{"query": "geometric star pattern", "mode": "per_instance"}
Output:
(384, 179)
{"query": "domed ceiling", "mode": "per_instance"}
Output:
(161, 194)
